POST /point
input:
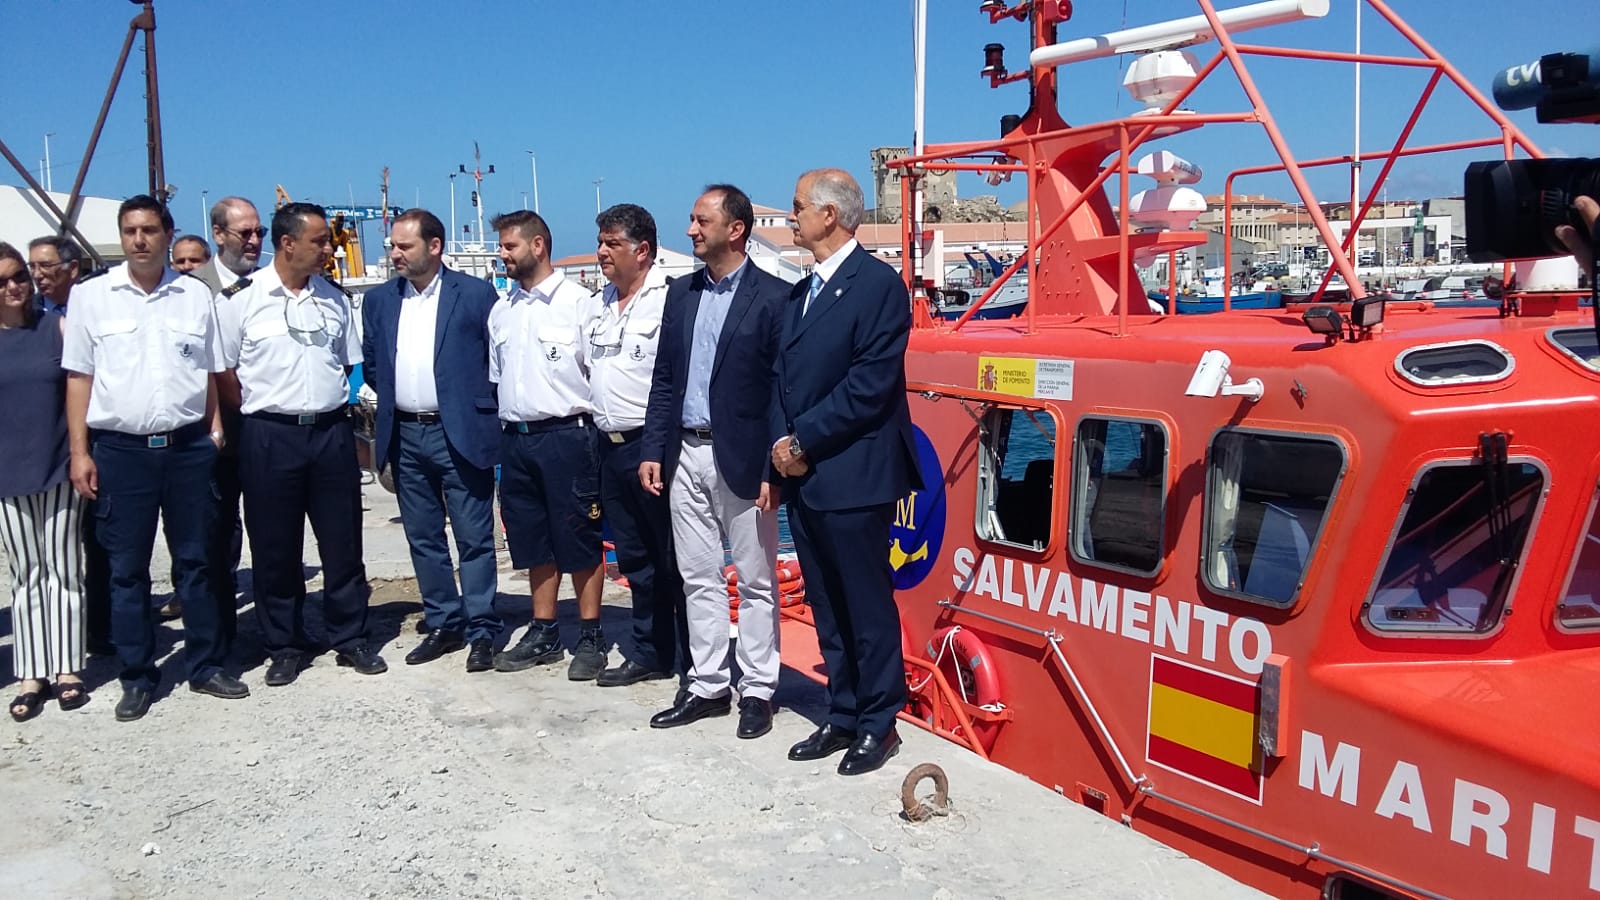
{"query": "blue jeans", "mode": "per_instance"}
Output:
(136, 484)
(429, 476)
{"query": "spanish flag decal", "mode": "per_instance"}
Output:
(1203, 725)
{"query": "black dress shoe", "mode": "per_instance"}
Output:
(222, 685)
(435, 645)
(824, 742)
(284, 670)
(629, 672)
(363, 660)
(692, 709)
(755, 717)
(480, 657)
(869, 753)
(134, 704)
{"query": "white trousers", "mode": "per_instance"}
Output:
(41, 537)
(705, 513)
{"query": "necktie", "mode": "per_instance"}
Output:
(811, 295)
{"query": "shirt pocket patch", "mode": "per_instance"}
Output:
(556, 342)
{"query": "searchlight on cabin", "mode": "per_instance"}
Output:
(1176, 33)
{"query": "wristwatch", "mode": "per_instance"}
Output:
(794, 448)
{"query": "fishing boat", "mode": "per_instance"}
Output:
(1244, 582)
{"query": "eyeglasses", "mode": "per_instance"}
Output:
(20, 279)
(306, 331)
(245, 234)
(46, 266)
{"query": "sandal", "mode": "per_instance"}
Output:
(71, 694)
(31, 702)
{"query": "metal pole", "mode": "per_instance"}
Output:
(158, 169)
(48, 184)
(205, 211)
(597, 209)
(66, 223)
(452, 212)
(534, 165)
(75, 197)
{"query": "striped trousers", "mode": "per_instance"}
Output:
(41, 537)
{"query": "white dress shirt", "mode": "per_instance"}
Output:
(827, 267)
(540, 356)
(622, 351)
(226, 276)
(415, 391)
(151, 354)
(289, 348)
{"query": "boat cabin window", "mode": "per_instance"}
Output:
(1119, 482)
(1462, 362)
(1580, 602)
(1578, 344)
(1016, 477)
(1461, 537)
(1267, 496)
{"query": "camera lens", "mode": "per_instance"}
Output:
(1514, 206)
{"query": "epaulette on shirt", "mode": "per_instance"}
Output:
(236, 287)
(96, 273)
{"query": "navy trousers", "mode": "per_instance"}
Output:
(429, 475)
(290, 473)
(844, 557)
(138, 484)
(227, 540)
(641, 529)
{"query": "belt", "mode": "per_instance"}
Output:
(540, 426)
(429, 418)
(337, 414)
(703, 434)
(175, 438)
(622, 437)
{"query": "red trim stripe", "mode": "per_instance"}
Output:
(1206, 768)
(1239, 695)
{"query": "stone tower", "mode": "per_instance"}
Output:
(937, 189)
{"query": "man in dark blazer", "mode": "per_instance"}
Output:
(842, 437)
(706, 443)
(425, 352)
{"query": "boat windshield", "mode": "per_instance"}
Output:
(1580, 602)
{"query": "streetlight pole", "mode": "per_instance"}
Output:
(452, 212)
(533, 163)
(597, 182)
(47, 136)
(204, 211)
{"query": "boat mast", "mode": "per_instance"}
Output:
(919, 62)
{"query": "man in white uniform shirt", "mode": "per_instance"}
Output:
(622, 350)
(549, 462)
(139, 350)
(288, 337)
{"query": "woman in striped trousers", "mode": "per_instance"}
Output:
(39, 509)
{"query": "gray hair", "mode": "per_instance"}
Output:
(836, 188)
(66, 249)
(219, 210)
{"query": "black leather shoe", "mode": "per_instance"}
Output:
(824, 742)
(537, 647)
(869, 753)
(363, 660)
(629, 672)
(134, 704)
(222, 685)
(435, 645)
(480, 658)
(692, 709)
(284, 670)
(755, 717)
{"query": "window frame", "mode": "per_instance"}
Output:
(1506, 608)
(1076, 496)
(1572, 572)
(982, 508)
(1209, 499)
(1455, 380)
(1566, 352)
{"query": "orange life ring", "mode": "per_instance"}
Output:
(966, 664)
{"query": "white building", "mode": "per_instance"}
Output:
(23, 217)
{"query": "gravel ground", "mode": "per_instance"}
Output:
(429, 782)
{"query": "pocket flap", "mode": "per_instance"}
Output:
(265, 327)
(186, 326)
(645, 327)
(557, 334)
(116, 326)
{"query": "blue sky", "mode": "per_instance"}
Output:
(659, 98)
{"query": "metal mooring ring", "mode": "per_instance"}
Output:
(917, 811)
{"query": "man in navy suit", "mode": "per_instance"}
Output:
(425, 351)
(842, 437)
(706, 443)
